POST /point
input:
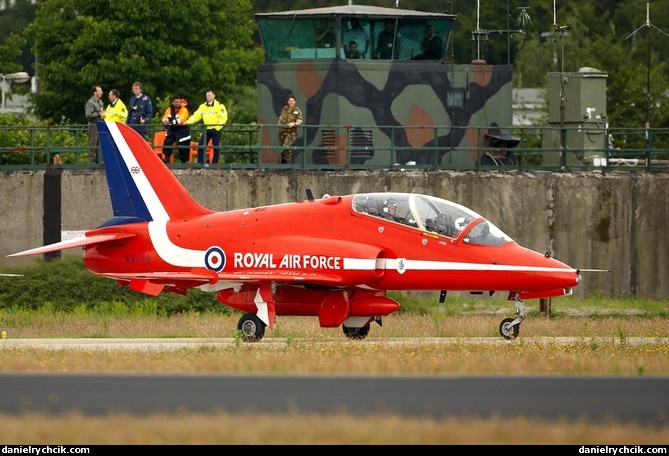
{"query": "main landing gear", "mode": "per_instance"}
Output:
(359, 332)
(510, 327)
(356, 333)
(252, 328)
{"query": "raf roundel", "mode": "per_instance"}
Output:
(214, 259)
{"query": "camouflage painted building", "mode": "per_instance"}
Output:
(374, 110)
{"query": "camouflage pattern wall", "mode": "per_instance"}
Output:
(429, 103)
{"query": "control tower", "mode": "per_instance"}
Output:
(394, 98)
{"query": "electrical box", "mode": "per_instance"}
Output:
(584, 96)
(584, 143)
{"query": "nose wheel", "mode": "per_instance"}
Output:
(508, 330)
(510, 327)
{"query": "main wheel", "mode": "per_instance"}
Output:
(507, 330)
(251, 327)
(356, 333)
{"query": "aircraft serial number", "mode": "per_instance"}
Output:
(137, 259)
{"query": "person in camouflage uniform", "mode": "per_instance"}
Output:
(289, 120)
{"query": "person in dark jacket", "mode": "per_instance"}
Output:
(140, 110)
(388, 42)
(431, 45)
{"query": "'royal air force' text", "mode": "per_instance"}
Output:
(267, 260)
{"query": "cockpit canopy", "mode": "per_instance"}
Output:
(428, 213)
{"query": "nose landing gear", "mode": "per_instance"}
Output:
(510, 327)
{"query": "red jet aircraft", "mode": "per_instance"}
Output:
(334, 257)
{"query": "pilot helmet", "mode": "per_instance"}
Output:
(389, 203)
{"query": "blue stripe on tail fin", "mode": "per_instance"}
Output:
(127, 202)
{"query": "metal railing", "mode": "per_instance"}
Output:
(571, 148)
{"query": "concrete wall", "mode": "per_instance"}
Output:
(613, 221)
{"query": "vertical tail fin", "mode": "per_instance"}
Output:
(142, 188)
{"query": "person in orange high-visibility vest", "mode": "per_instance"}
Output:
(178, 131)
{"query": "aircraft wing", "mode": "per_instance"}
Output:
(153, 283)
(78, 242)
(312, 278)
(207, 276)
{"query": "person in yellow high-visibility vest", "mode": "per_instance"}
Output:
(213, 115)
(116, 110)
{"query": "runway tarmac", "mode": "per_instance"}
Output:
(642, 400)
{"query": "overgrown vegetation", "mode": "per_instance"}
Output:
(65, 285)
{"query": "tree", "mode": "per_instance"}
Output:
(10, 54)
(627, 81)
(179, 48)
(13, 20)
(188, 47)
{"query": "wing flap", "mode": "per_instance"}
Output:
(204, 275)
(317, 278)
(71, 243)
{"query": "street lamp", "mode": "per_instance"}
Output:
(21, 76)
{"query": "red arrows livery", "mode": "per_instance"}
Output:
(334, 257)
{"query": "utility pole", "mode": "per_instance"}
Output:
(645, 30)
(563, 94)
(481, 51)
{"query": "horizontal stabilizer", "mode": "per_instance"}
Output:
(78, 242)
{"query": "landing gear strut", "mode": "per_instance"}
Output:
(510, 327)
(252, 328)
(359, 332)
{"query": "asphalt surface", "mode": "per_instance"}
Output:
(628, 399)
